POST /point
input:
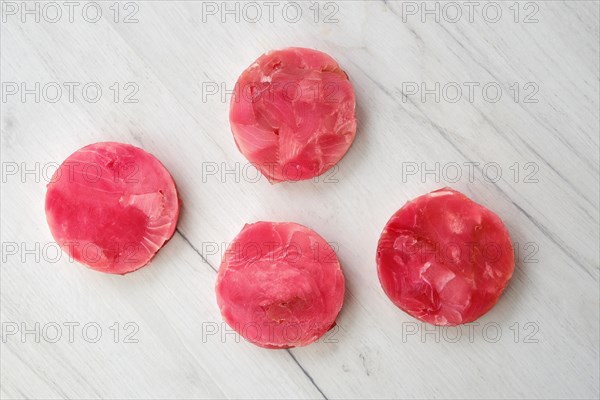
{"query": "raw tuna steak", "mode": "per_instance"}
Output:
(292, 114)
(112, 206)
(280, 285)
(444, 259)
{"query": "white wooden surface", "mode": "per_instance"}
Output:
(169, 53)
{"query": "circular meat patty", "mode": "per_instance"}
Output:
(280, 285)
(293, 114)
(112, 206)
(444, 259)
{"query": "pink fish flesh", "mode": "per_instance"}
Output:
(445, 259)
(293, 114)
(280, 285)
(112, 206)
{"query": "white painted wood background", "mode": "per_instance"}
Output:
(173, 48)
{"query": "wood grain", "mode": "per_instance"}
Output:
(548, 316)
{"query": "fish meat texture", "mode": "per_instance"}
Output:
(112, 206)
(444, 259)
(280, 285)
(293, 114)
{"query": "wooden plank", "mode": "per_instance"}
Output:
(173, 56)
